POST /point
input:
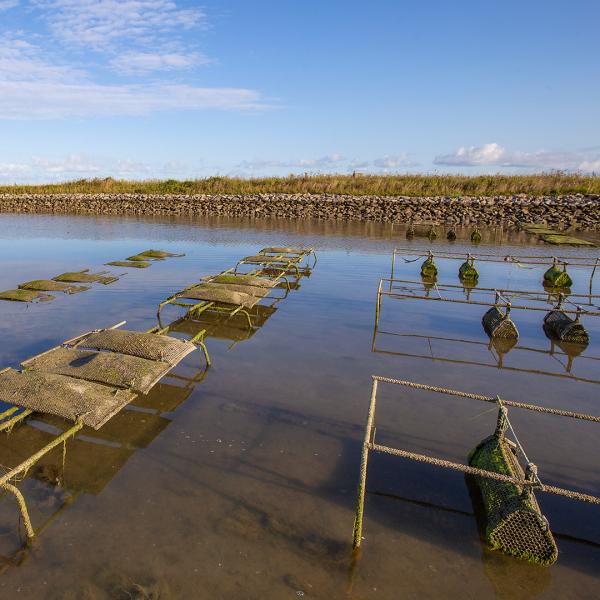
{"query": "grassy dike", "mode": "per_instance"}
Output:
(543, 184)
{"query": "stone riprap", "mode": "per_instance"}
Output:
(567, 211)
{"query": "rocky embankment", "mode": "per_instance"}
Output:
(568, 211)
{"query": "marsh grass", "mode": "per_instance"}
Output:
(369, 185)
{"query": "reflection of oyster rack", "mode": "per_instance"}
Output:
(498, 348)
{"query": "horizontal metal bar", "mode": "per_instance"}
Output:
(447, 464)
(492, 399)
(494, 290)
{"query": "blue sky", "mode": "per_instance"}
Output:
(173, 88)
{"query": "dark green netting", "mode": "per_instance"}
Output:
(467, 271)
(561, 327)
(514, 522)
(499, 325)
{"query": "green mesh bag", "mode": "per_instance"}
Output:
(556, 277)
(514, 522)
(476, 236)
(468, 272)
(428, 268)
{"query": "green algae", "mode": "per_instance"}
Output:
(47, 285)
(135, 264)
(504, 500)
(556, 277)
(476, 236)
(153, 255)
(560, 239)
(20, 295)
(429, 269)
(467, 272)
(85, 277)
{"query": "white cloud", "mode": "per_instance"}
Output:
(10, 170)
(33, 87)
(393, 162)
(330, 163)
(495, 155)
(55, 100)
(488, 154)
(100, 23)
(6, 4)
(139, 63)
(77, 166)
(325, 162)
(590, 166)
(22, 61)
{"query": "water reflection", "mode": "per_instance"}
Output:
(261, 465)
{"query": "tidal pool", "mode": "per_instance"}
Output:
(240, 481)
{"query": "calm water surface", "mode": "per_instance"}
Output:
(239, 481)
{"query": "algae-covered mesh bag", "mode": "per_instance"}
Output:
(476, 236)
(514, 523)
(428, 268)
(556, 277)
(467, 271)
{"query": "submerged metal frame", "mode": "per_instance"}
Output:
(16, 414)
(290, 260)
(195, 309)
(370, 445)
(302, 253)
(24, 466)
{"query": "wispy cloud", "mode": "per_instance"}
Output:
(329, 163)
(33, 87)
(385, 163)
(141, 63)
(6, 4)
(39, 169)
(101, 23)
(56, 100)
(493, 154)
(325, 162)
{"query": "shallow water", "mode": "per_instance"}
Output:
(239, 481)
